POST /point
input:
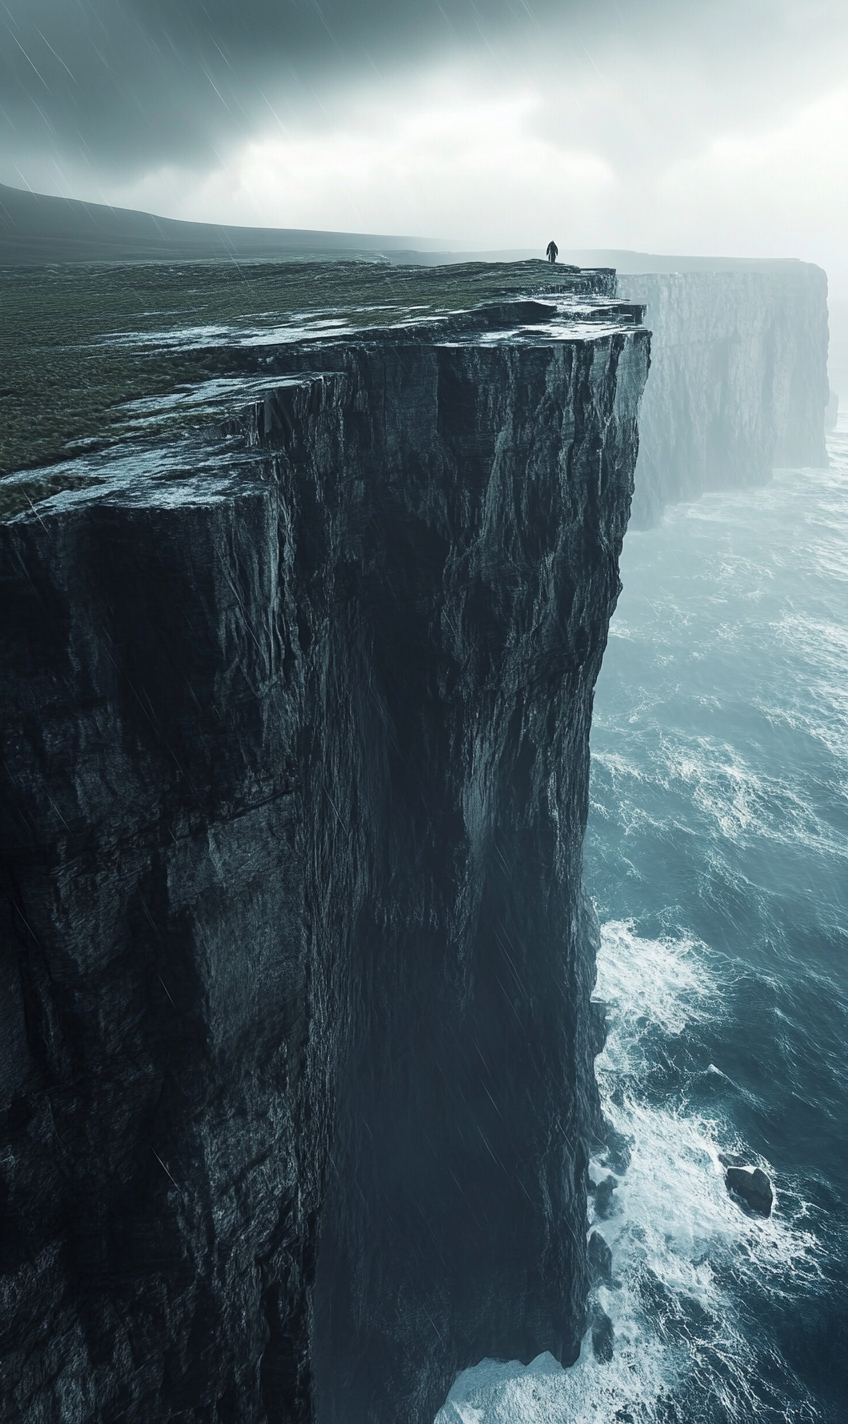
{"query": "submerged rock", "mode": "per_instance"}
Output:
(603, 1336)
(752, 1187)
(600, 1259)
(598, 1022)
(603, 1196)
(617, 1149)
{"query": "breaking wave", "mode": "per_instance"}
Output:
(679, 1243)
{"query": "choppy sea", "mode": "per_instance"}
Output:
(717, 857)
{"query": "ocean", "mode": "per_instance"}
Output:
(717, 859)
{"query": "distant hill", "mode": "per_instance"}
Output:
(35, 229)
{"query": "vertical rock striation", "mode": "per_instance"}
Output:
(297, 1067)
(738, 379)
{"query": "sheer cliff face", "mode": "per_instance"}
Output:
(738, 379)
(296, 964)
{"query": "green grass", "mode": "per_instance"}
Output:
(65, 381)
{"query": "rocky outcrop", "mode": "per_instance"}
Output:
(752, 1187)
(297, 1069)
(738, 379)
(603, 1336)
(600, 1259)
(749, 1185)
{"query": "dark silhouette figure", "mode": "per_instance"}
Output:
(552, 250)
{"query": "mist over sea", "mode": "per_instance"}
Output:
(717, 857)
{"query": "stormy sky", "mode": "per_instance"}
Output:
(701, 126)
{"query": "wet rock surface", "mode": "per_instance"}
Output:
(752, 1187)
(599, 1256)
(296, 955)
(604, 1204)
(603, 1336)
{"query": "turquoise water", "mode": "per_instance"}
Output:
(717, 856)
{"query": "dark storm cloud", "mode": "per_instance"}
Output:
(125, 86)
(133, 83)
(149, 79)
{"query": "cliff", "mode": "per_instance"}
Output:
(738, 378)
(296, 964)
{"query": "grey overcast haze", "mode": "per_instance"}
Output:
(712, 128)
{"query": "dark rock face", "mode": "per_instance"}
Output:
(752, 1187)
(158, 1209)
(296, 961)
(603, 1336)
(599, 1025)
(600, 1259)
(738, 379)
(603, 1196)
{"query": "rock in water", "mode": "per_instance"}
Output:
(297, 962)
(599, 1025)
(603, 1196)
(600, 1259)
(603, 1336)
(617, 1149)
(751, 1187)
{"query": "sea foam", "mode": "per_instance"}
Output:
(678, 1241)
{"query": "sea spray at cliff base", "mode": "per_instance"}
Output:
(717, 856)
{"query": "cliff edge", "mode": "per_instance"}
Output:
(297, 1081)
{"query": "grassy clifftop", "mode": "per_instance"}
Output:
(92, 355)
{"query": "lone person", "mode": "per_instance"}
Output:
(552, 251)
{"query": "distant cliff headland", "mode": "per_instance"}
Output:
(307, 570)
(738, 379)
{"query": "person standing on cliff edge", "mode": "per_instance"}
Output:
(551, 251)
